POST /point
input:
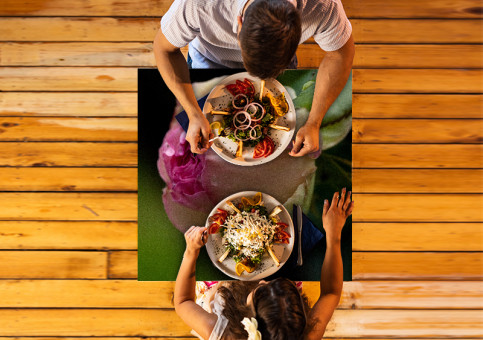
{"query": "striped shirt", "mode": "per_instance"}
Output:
(210, 28)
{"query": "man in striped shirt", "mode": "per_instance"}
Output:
(261, 36)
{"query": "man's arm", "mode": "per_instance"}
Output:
(334, 70)
(174, 70)
(184, 290)
(331, 277)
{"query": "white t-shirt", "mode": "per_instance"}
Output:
(210, 28)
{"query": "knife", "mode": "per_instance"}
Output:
(299, 225)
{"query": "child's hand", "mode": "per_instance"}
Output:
(335, 214)
(195, 239)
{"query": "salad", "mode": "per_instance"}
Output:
(248, 231)
(250, 116)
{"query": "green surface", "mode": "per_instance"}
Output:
(161, 246)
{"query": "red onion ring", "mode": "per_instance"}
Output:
(244, 124)
(253, 129)
(238, 138)
(252, 114)
(237, 96)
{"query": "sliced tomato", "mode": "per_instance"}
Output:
(213, 228)
(282, 224)
(251, 88)
(260, 149)
(233, 89)
(270, 146)
(222, 212)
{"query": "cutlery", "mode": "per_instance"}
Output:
(299, 225)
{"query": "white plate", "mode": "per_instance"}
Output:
(219, 98)
(267, 267)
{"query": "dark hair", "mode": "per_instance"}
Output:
(269, 37)
(280, 310)
(235, 295)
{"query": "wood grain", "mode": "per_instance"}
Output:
(353, 8)
(77, 54)
(123, 265)
(67, 79)
(52, 265)
(418, 208)
(417, 106)
(106, 29)
(148, 294)
(310, 54)
(417, 181)
(135, 29)
(423, 131)
(40, 154)
(416, 81)
(417, 237)
(152, 322)
(417, 156)
(418, 265)
(413, 31)
(68, 129)
(399, 56)
(62, 235)
(125, 79)
(95, 104)
(68, 179)
(365, 266)
(69, 206)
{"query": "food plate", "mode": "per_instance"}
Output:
(219, 99)
(267, 267)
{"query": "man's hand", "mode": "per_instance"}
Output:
(306, 141)
(199, 133)
(335, 214)
(195, 239)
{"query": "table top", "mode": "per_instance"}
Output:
(308, 181)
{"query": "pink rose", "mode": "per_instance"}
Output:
(181, 170)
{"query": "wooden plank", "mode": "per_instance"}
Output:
(79, 29)
(417, 106)
(416, 266)
(380, 31)
(149, 322)
(412, 9)
(69, 206)
(149, 294)
(398, 56)
(417, 181)
(91, 322)
(39, 154)
(125, 79)
(418, 208)
(414, 31)
(123, 265)
(67, 235)
(424, 131)
(68, 129)
(68, 79)
(417, 156)
(416, 81)
(68, 104)
(309, 55)
(52, 265)
(68, 179)
(353, 8)
(427, 237)
(77, 54)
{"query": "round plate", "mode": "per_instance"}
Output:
(266, 267)
(219, 98)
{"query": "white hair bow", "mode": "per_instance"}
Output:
(251, 326)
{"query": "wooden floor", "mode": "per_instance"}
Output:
(68, 157)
